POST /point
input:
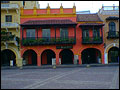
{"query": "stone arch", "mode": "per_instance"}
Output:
(91, 55)
(67, 56)
(6, 56)
(47, 55)
(25, 49)
(12, 49)
(29, 57)
(107, 49)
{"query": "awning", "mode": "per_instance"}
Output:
(112, 18)
(91, 24)
(48, 22)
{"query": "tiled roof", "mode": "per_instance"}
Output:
(48, 22)
(88, 17)
(91, 24)
(112, 18)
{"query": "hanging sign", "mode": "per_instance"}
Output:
(64, 47)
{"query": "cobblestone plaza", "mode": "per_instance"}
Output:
(106, 77)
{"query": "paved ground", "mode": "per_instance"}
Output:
(61, 78)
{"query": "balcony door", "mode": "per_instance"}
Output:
(30, 34)
(63, 32)
(96, 33)
(46, 34)
(112, 28)
(85, 33)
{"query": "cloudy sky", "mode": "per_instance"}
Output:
(93, 6)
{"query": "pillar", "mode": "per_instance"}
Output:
(103, 62)
(19, 62)
(34, 10)
(57, 59)
(79, 57)
(22, 11)
(38, 60)
(106, 58)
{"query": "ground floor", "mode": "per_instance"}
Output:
(10, 56)
(64, 55)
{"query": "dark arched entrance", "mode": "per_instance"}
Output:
(90, 56)
(66, 56)
(113, 55)
(6, 56)
(29, 58)
(46, 57)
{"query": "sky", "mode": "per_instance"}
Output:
(93, 6)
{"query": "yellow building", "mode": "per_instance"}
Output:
(110, 17)
(10, 31)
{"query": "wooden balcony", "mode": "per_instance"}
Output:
(113, 35)
(9, 6)
(34, 41)
(9, 38)
(9, 25)
(92, 40)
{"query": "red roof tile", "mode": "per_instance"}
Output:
(88, 17)
(48, 22)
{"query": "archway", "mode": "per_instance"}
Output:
(113, 55)
(91, 56)
(6, 56)
(30, 57)
(66, 56)
(46, 57)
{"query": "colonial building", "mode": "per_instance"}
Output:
(46, 34)
(110, 16)
(10, 31)
(60, 34)
(90, 38)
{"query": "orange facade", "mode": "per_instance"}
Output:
(76, 31)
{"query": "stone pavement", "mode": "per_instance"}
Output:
(61, 78)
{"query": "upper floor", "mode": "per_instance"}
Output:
(18, 4)
(109, 10)
(110, 17)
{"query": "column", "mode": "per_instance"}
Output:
(106, 58)
(79, 57)
(38, 60)
(57, 58)
(103, 62)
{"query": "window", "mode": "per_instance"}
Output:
(46, 33)
(8, 18)
(96, 33)
(5, 1)
(64, 32)
(85, 33)
(30, 33)
(112, 26)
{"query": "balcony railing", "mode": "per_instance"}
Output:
(113, 34)
(9, 25)
(30, 41)
(7, 36)
(92, 40)
(9, 6)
